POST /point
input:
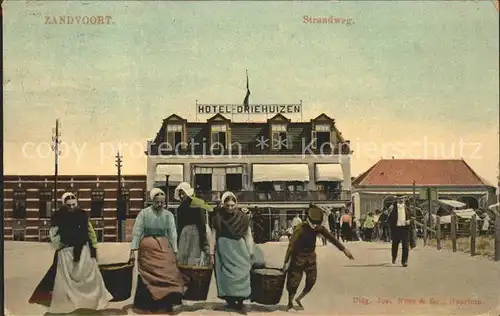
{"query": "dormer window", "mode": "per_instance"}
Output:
(321, 135)
(219, 136)
(174, 135)
(279, 136)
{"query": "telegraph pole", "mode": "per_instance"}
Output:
(119, 215)
(167, 189)
(414, 200)
(56, 133)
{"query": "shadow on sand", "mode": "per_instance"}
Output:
(389, 265)
(196, 307)
(221, 307)
(107, 311)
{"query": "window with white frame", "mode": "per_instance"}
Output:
(174, 135)
(279, 136)
(321, 136)
(219, 136)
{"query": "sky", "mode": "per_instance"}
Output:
(405, 79)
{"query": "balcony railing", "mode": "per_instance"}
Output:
(254, 148)
(278, 196)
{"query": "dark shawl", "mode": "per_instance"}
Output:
(73, 230)
(188, 214)
(58, 217)
(233, 225)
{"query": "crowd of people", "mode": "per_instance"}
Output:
(219, 238)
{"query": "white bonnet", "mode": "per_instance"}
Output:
(186, 187)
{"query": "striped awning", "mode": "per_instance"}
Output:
(329, 172)
(280, 172)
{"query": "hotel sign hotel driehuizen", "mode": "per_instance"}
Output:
(248, 109)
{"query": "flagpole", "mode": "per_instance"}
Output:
(248, 120)
(247, 96)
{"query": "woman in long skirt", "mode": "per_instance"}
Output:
(43, 292)
(346, 225)
(233, 252)
(78, 282)
(192, 224)
(160, 285)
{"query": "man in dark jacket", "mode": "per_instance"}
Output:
(399, 221)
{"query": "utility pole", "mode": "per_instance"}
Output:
(167, 189)
(414, 200)
(498, 184)
(119, 211)
(429, 201)
(56, 142)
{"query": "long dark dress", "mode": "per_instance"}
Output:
(43, 292)
(191, 225)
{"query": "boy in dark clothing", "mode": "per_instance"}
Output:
(301, 254)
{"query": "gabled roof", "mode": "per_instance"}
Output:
(174, 117)
(322, 117)
(279, 118)
(425, 172)
(218, 118)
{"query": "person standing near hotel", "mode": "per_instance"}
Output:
(400, 221)
(336, 219)
(192, 224)
(346, 225)
(368, 227)
(296, 221)
(160, 284)
(486, 225)
(377, 231)
(383, 222)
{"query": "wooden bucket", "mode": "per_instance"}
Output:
(199, 282)
(118, 279)
(267, 285)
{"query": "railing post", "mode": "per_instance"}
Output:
(438, 232)
(497, 237)
(454, 232)
(473, 231)
(425, 233)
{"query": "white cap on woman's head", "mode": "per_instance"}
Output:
(154, 192)
(226, 195)
(186, 187)
(68, 196)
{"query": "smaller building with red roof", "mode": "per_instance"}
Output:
(377, 187)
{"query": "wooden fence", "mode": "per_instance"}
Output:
(464, 235)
